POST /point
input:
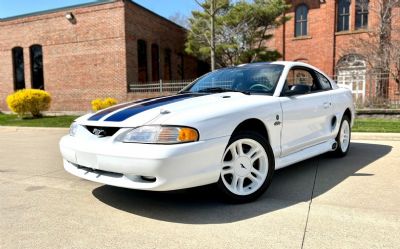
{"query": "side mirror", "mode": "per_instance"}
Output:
(297, 90)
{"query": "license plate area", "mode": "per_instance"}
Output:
(87, 160)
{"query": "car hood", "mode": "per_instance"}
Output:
(181, 109)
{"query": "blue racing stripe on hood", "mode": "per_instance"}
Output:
(101, 114)
(129, 112)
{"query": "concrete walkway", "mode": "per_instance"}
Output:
(353, 202)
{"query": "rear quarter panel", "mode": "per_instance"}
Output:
(342, 99)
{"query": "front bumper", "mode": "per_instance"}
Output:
(131, 165)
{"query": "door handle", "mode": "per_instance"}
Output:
(327, 105)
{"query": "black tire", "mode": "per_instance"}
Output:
(340, 151)
(231, 197)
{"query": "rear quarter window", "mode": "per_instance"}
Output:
(324, 82)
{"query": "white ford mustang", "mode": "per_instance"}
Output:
(234, 127)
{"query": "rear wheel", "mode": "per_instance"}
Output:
(343, 138)
(247, 167)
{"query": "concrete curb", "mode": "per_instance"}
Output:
(375, 136)
(354, 135)
(378, 111)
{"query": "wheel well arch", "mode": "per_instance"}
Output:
(347, 113)
(252, 124)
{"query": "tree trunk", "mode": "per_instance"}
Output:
(382, 91)
(212, 17)
(384, 49)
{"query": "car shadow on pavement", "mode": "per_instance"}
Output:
(290, 186)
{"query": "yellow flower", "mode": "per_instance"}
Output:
(32, 101)
(99, 104)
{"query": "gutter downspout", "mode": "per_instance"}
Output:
(284, 38)
(334, 41)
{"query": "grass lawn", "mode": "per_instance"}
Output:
(50, 121)
(376, 125)
(360, 125)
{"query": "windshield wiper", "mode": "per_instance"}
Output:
(221, 90)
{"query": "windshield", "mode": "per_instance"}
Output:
(261, 78)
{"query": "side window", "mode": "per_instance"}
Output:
(167, 64)
(18, 68)
(36, 59)
(142, 60)
(324, 82)
(155, 63)
(299, 76)
(301, 14)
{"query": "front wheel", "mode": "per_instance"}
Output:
(247, 168)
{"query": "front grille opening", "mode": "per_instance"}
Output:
(148, 178)
(102, 131)
(99, 172)
(134, 178)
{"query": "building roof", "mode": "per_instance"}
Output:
(94, 3)
(42, 12)
(154, 13)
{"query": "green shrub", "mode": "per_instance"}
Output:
(99, 104)
(31, 101)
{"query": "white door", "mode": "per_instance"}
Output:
(351, 72)
(354, 80)
(307, 118)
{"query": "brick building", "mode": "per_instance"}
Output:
(82, 52)
(324, 33)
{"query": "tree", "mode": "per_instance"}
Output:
(236, 33)
(180, 19)
(381, 46)
(204, 24)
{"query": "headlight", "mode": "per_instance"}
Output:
(153, 134)
(73, 128)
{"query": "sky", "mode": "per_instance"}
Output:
(165, 8)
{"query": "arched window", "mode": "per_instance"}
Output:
(18, 68)
(362, 14)
(36, 55)
(142, 60)
(155, 64)
(351, 71)
(167, 64)
(343, 15)
(301, 20)
(352, 61)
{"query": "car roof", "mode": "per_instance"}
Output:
(283, 63)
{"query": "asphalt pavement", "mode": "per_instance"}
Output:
(324, 202)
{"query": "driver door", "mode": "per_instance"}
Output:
(306, 117)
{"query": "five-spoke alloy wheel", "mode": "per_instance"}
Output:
(343, 138)
(247, 167)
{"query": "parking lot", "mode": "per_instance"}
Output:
(353, 202)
